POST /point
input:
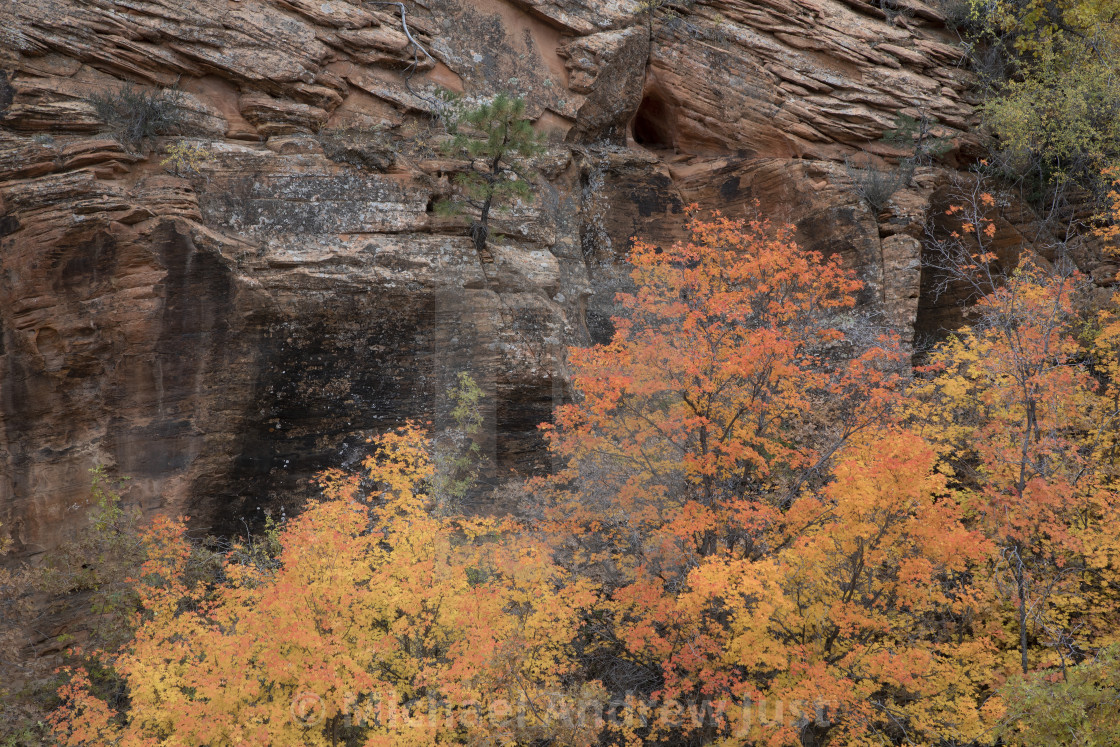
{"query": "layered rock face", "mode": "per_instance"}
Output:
(222, 329)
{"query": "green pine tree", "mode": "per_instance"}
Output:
(497, 138)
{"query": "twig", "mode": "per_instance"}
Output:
(417, 46)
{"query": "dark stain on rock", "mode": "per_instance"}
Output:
(87, 265)
(600, 327)
(654, 196)
(729, 190)
(185, 375)
(357, 149)
(197, 294)
(7, 93)
(520, 412)
(156, 450)
(328, 380)
(19, 406)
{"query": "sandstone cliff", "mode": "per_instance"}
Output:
(220, 334)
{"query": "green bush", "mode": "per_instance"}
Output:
(1076, 707)
(1057, 126)
(1050, 76)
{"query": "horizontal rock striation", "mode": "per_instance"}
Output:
(221, 327)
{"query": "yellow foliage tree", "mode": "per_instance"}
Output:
(858, 624)
(382, 623)
(1021, 422)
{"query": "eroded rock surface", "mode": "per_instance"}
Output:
(222, 329)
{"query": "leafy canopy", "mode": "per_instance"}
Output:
(1055, 108)
(382, 623)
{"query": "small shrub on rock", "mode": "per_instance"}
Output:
(184, 158)
(133, 116)
(876, 186)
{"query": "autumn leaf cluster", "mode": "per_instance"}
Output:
(758, 506)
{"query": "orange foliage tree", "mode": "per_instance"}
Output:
(705, 411)
(755, 536)
(380, 623)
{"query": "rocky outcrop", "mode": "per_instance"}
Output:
(221, 329)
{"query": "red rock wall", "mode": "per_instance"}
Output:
(221, 335)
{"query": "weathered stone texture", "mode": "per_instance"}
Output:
(221, 333)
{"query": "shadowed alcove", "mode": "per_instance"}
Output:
(654, 124)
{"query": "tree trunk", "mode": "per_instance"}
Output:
(1021, 583)
(480, 229)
